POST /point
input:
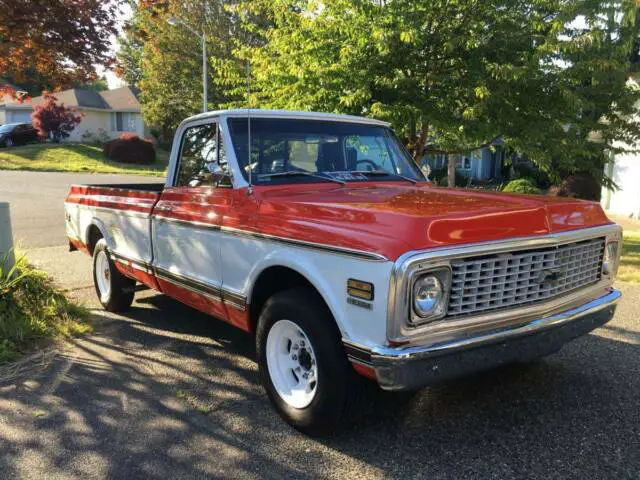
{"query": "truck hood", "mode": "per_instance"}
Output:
(391, 219)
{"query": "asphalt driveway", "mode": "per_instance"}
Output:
(165, 391)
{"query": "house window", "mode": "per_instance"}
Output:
(467, 163)
(123, 122)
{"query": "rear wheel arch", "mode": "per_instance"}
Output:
(94, 234)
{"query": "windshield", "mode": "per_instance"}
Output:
(337, 150)
(8, 128)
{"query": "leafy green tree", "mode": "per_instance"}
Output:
(165, 61)
(550, 77)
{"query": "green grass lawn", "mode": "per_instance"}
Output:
(33, 311)
(630, 262)
(74, 157)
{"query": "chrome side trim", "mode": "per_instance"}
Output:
(185, 223)
(416, 261)
(118, 189)
(386, 355)
(132, 262)
(364, 255)
(213, 292)
(128, 213)
(376, 257)
(263, 236)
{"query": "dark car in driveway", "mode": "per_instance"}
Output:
(17, 134)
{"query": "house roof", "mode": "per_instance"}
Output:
(12, 86)
(124, 98)
(8, 99)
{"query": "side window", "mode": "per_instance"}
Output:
(198, 156)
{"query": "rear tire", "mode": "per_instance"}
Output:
(8, 143)
(115, 291)
(302, 364)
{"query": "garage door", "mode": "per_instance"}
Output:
(20, 116)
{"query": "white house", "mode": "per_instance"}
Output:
(625, 172)
(624, 169)
(112, 111)
(11, 109)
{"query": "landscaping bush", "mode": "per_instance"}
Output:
(130, 148)
(580, 185)
(31, 309)
(540, 178)
(522, 185)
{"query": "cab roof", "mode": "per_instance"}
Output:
(258, 113)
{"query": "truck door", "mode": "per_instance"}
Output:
(186, 222)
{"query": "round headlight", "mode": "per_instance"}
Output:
(428, 296)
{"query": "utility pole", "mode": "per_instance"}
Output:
(205, 77)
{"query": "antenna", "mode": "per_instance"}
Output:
(248, 73)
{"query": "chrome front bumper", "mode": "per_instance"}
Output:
(414, 367)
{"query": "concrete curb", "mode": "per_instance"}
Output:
(6, 237)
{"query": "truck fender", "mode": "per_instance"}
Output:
(300, 263)
(97, 223)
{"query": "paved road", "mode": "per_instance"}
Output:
(164, 391)
(37, 202)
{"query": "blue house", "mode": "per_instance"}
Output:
(482, 164)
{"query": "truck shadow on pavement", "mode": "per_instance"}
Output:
(164, 391)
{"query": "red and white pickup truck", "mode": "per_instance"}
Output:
(326, 243)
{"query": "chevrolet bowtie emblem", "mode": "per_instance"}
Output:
(550, 276)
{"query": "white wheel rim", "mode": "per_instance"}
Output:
(292, 364)
(103, 274)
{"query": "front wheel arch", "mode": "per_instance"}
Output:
(275, 279)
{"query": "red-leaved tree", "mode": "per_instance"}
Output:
(54, 44)
(53, 120)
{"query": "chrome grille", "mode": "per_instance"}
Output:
(482, 284)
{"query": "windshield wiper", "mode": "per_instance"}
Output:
(385, 173)
(300, 173)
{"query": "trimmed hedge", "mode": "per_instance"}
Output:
(580, 185)
(522, 185)
(130, 148)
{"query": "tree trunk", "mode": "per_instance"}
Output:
(451, 170)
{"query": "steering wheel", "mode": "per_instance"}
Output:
(374, 165)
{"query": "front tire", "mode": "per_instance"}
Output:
(115, 291)
(302, 364)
